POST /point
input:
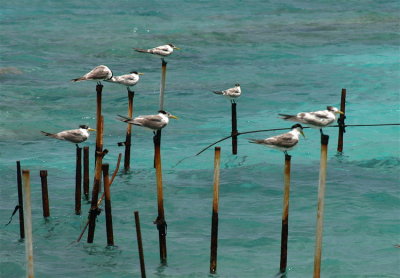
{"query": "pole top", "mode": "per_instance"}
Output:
(43, 173)
(324, 139)
(217, 149)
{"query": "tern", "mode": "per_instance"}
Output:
(162, 50)
(284, 142)
(153, 122)
(128, 80)
(98, 74)
(317, 119)
(74, 135)
(232, 93)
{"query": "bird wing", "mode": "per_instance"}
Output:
(233, 92)
(163, 50)
(74, 136)
(149, 121)
(318, 118)
(99, 72)
(286, 140)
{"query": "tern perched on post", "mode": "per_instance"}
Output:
(128, 80)
(98, 74)
(317, 119)
(232, 93)
(153, 122)
(284, 142)
(162, 50)
(74, 135)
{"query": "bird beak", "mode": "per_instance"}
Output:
(140, 73)
(91, 129)
(173, 117)
(302, 133)
(177, 48)
(340, 112)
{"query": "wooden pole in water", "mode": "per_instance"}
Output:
(285, 214)
(109, 225)
(162, 85)
(214, 221)
(127, 157)
(160, 221)
(45, 194)
(86, 172)
(99, 135)
(20, 201)
(234, 129)
(140, 245)
(341, 121)
(28, 224)
(320, 209)
(78, 181)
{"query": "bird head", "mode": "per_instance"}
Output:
(173, 46)
(334, 110)
(86, 127)
(299, 128)
(138, 73)
(169, 115)
(237, 85)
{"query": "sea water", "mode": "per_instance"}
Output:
(288, 56)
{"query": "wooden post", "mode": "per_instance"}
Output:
(320, 209)
(99, 135)
(86, 172)
(285, 214)
(160, 221)
(234, 129)
(162, 85)
(127, 157)
(45, 194)
(214, 222)
(341, 121)
(78, 181)
(140, 245)
(28, 224)
(20, 201)
(109, 225)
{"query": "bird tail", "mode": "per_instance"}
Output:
(141, 50)
(256, 141)
(48, 134)
(288, 117)
(78, 79)
(218, 92)
(124, 119)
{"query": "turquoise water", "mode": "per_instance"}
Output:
(288, 56)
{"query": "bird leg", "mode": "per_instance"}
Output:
(285, 152)
(320, 131)
(77, 146)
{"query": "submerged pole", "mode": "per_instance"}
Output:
(86, 172)
(45, 194)
(341, 121)
(78, 181)
(109, 225)
(28, 224)
(160, 221)
(140, 245)
(320, 209)
(214, 221)
(285, 214)
(127, 157)
(234, 129)
(20, 201)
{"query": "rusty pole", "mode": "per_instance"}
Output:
(214, 222)
(162, 85)
(45, 194)
(28, 224)
(20, 201)
(234, 129)
(341, 121)
(285, 214)
(140, 245)
(86, 172)
(109, 225)
(127, 157)
(78, 181)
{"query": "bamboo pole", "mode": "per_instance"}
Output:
(320, 209)
(285, 214)
(45, 194)
(160, 221)
(341, 121)
(78, 181)
(127, 157)
(20, 201)
(28, 224)
(109, 225)
(140, 245)
(86, 172)
(162, 85)
(234, 129)
(214, 221)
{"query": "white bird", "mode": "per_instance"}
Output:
(99, 73)
(153, 122)
(284, 142)
(232, 93)
(317, 119)
(128, 80)
(74, 135)
(162, 50)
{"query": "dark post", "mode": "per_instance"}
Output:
(99, 135)
(214, 222)
(86, 172)
(320, 209)
(234, 129)
(45, 194)
(20, 201)
(162, 85)
(94, 211)
(285, 214)
(341, 121)
(109, 226)
(140, 246)
(160, 221)
(78, 181)
(127, 157)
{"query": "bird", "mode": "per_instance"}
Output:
(128, 80)
(98, 74)
(232, 93)
(317, 119)
(284, 142)
(162, 50)
(73, 135)
(153, 122)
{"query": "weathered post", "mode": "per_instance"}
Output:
(214, 221)
(140, 245)
(234, 129)
(285, 214)
(78, 181)
(28, 224)
(341, 121)
(86, 172)
(45, 194)
(109, 225)
(127, 157)
(20, 201)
